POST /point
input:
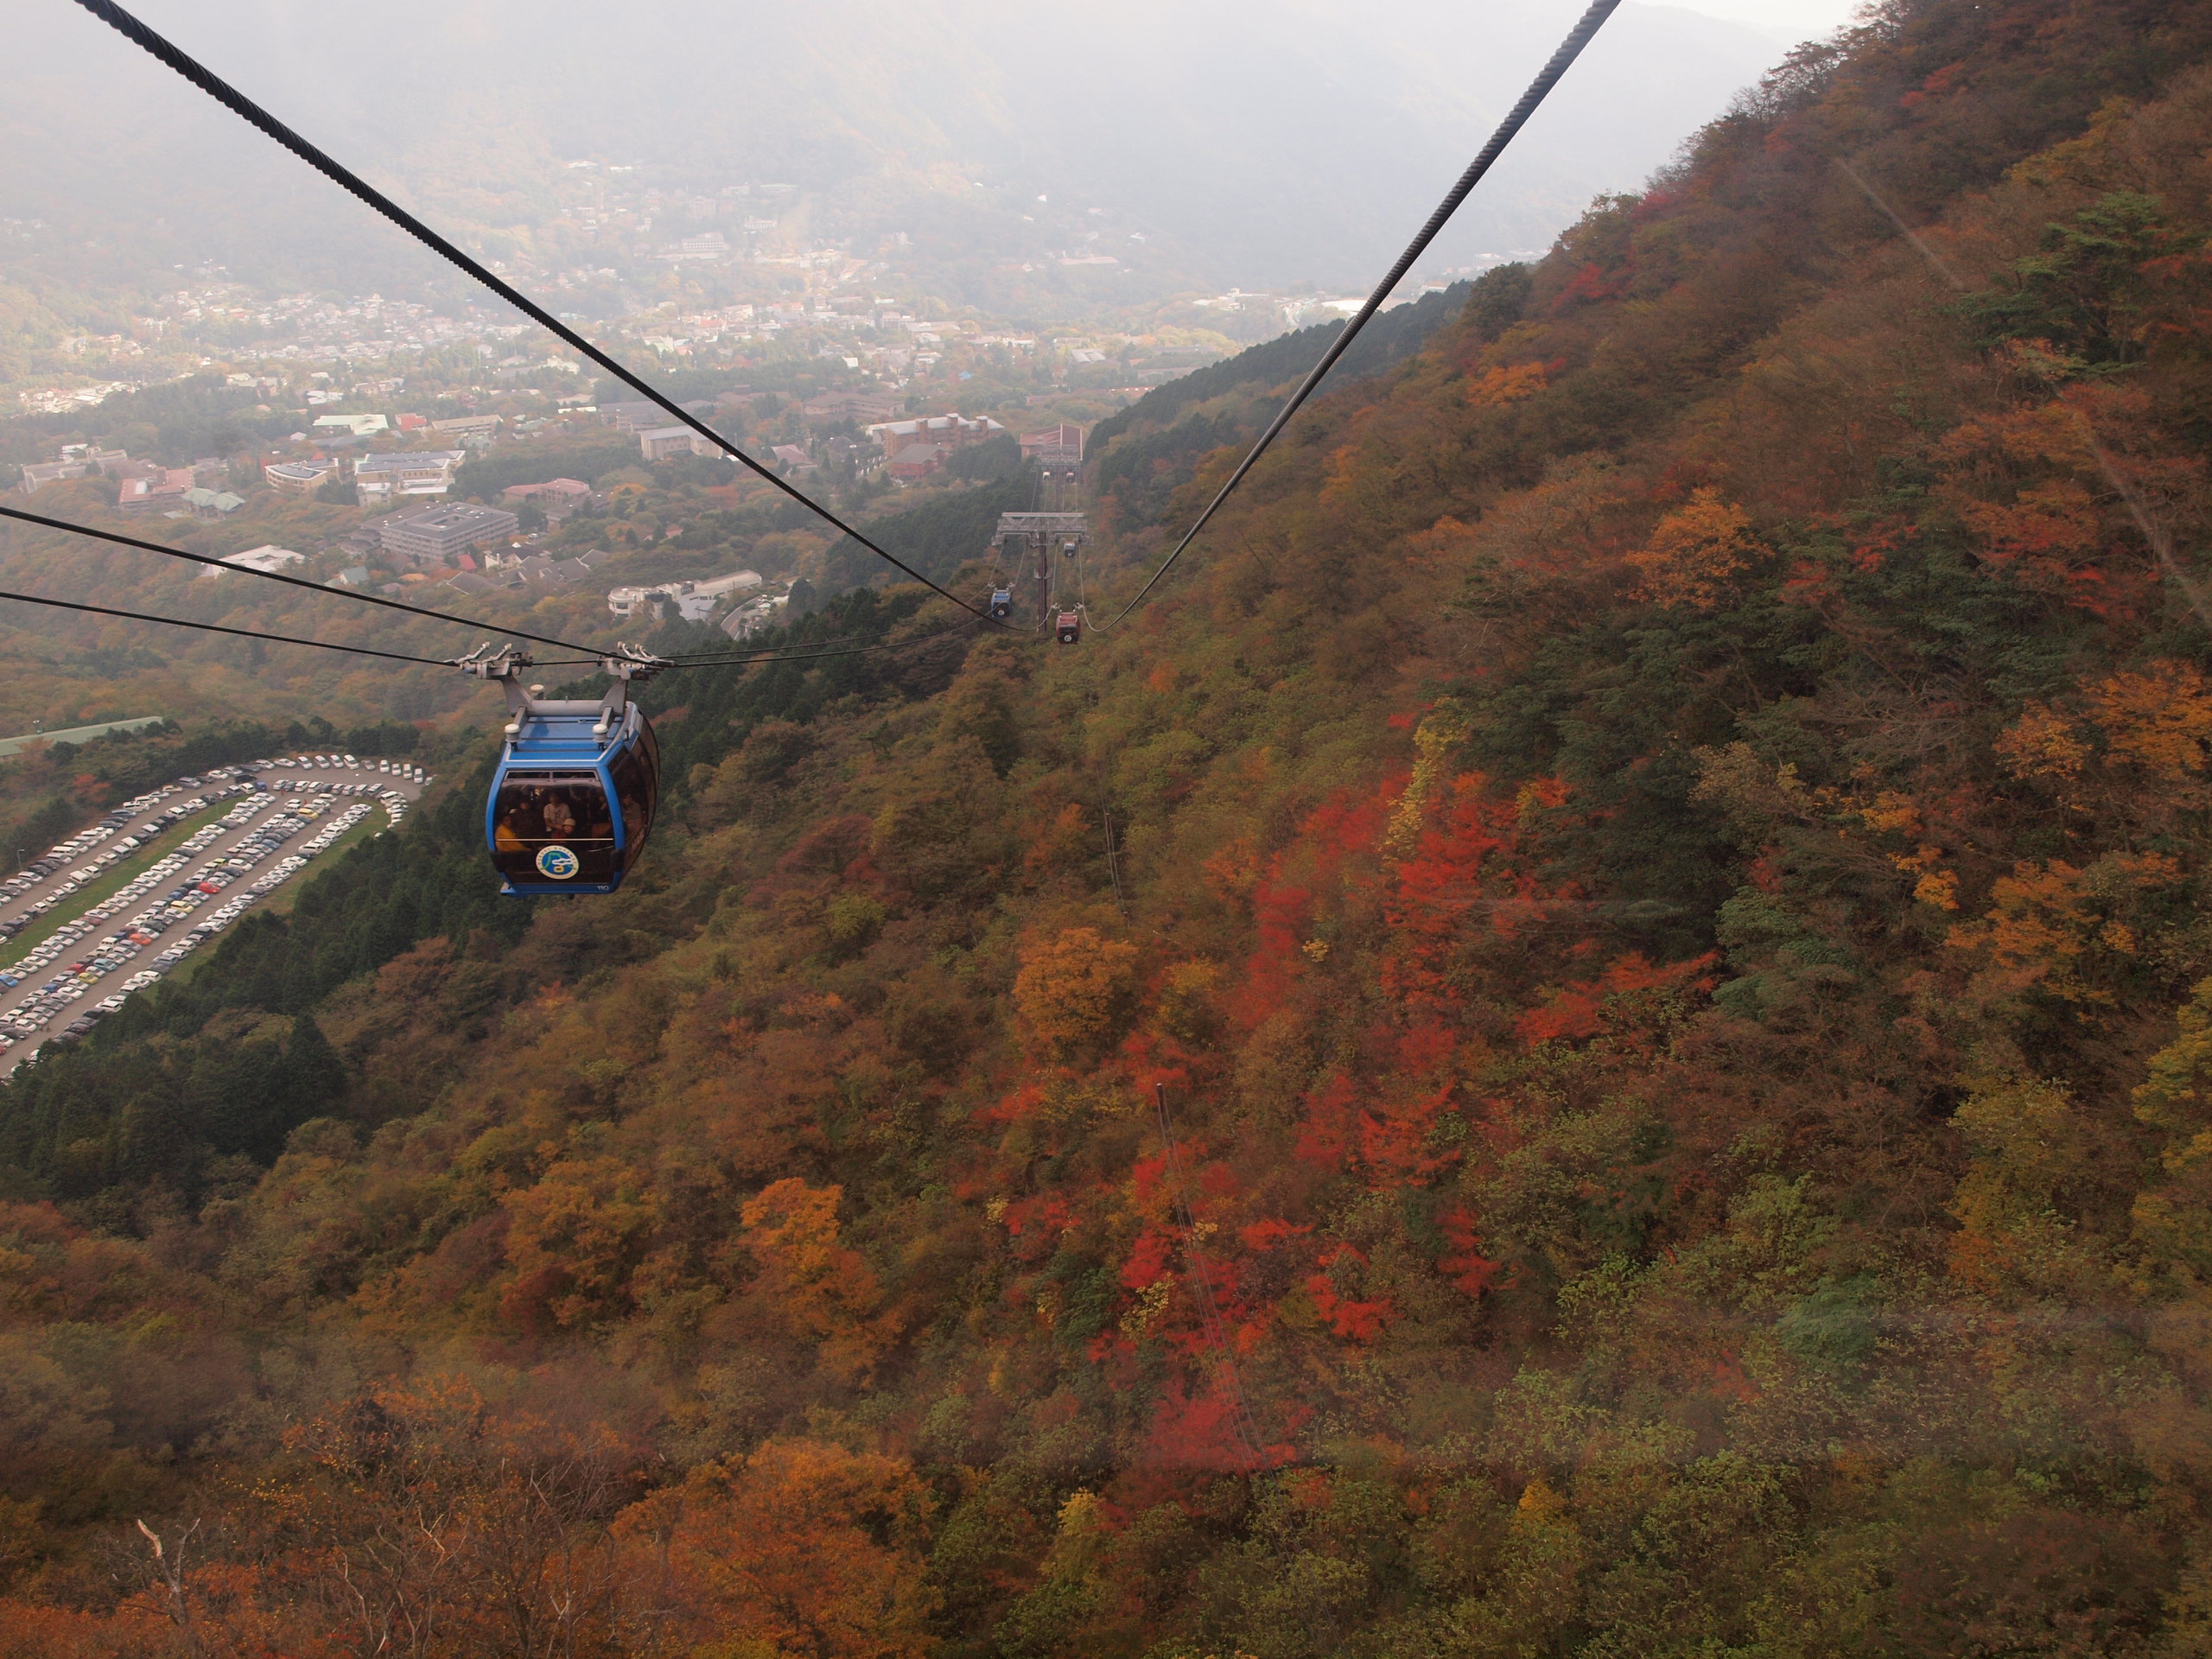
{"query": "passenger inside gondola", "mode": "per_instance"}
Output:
(570, 811)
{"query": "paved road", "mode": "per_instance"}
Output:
(270, 821)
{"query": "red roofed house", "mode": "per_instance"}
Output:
(917, 461)
(158, 487)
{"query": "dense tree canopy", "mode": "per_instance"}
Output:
(1594, 1038)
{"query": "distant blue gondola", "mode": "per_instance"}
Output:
(578, 783)
(1001, 603)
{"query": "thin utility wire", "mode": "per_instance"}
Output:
(1113, 869)
(1570, 49)
(770, 655)
(1210, 1311)
(137, 33)
(2154, 533)
(217, 627)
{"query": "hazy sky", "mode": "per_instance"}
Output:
(1786, 20)
(1259, 143)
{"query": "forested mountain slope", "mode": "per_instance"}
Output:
(1658, 863)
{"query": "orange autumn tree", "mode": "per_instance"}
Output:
(2160, 720)
(575, 1239)
(1695, 553)
(803, 1547)
(2150, 727)
(820, 1288)
(1074, 993)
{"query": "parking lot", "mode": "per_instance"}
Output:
(125, 901)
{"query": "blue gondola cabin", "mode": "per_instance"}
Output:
(574, 798)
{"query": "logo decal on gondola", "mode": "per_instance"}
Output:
(558, 864)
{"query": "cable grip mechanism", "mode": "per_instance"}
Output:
(625, 664)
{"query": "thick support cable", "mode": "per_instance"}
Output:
(239, 104)
(796, 656)
(1570, 49)
(217, 627)
(121, 540)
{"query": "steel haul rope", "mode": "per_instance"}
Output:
(1580, 36)
(223, 93)
(121, 540)
(217, 627)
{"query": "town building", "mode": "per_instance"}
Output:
(632, 417)
(213, 503)
(144, 489)
(659, 443)
(557, 496)
(406, 472)
(40, 474)
(268, 560)
(945, 432)
(355, 426)
(853, 406)
(298, 477)
(432, 536)
(793, 458)
(1060, 445)
(694, 600)
(468, 426)
(551, 572)
(917, 461)
(736, 582)
(570, 487)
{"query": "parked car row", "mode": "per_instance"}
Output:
(69, 851)
(326, 762)
(42, 1006)
(92, 963)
